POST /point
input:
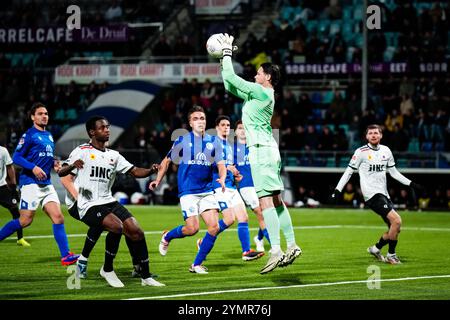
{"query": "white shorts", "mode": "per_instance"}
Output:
(228, 199)
(32, 196)
(195, 204)
(250, 197)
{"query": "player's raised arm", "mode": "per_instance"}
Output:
(242, 88)
(163, 167)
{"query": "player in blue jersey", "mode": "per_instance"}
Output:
(245, 185)
(230, 201)
(195, 153)
(34, 154)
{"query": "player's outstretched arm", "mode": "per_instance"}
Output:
(144, 172)
(163, 167)
(344, 179)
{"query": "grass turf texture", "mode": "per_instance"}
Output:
(332, 254)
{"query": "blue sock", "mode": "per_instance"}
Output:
(9, 228)
(205, 248)
(222, 226)
(244, 236)
(61, 239)
(174, 234)
(266, 234)
(260, 234)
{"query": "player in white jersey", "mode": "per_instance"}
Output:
(95, 175)
(372, 161)
(9, 197)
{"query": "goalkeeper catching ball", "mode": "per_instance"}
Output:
(264, 156)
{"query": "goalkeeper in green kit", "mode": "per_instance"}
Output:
(264, 156)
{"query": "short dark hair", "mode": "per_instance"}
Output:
(237, 123)
(273, 70)
(34, 107)
(374, 126)
(91, 123)
(195, 109)
(220, 118)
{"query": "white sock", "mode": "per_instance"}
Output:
(275, 249)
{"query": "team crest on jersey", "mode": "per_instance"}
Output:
(369, 157)
(209, 146)
(92, 156)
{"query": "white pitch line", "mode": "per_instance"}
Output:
(78, 235)
(289, 287)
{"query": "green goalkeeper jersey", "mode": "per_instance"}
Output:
(258, 106)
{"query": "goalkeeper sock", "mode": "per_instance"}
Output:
(272, 225)
(286, 224)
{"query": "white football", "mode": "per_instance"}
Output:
(214, 46)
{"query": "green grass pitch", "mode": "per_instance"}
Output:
(334, 264)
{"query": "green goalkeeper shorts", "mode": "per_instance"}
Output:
(265, 164)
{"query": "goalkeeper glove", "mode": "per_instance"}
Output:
(227, 44)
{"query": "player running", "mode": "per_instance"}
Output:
(196, 153)
(34, 154)
(264, 156)
(372, 161)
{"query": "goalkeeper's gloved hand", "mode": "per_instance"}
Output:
(227, 44)
(416, 186)
(335, 196)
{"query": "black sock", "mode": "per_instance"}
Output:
(392, 245)
(91, 239)
(132, 253)
(140, 249)
(16, 215)
(111, 247)
(381, 243)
